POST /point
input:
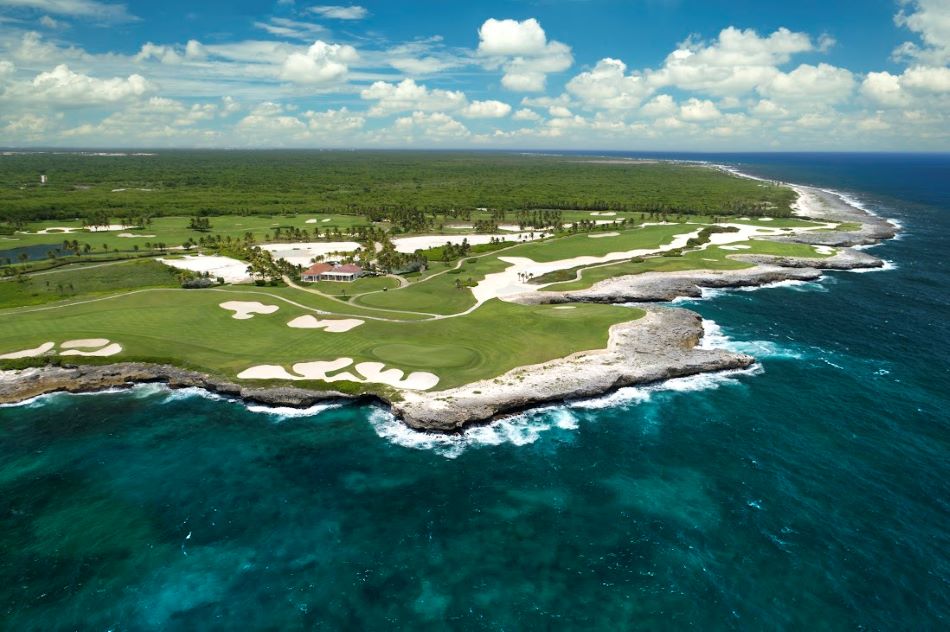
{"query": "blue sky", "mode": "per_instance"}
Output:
(561, 74)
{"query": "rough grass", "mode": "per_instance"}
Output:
(76, 282)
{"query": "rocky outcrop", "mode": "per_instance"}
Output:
(659, 346)
(844, 259)
(827, 206)
(17, 386)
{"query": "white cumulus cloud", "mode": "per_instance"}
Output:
(321, 63)
(522, 50)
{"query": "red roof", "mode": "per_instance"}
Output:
(348, 269)
(318, 268)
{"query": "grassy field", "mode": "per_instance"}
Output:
(79, 281)
(438, 294)
(587, 245)
(182, 326)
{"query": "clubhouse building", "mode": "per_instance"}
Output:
(326, 272)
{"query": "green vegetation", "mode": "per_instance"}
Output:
(399, 186)
(597, 245)
(85, 281)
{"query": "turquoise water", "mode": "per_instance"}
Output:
(809, 492)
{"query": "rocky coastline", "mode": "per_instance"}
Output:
(663, 344)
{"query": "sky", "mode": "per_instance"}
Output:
(678, 75)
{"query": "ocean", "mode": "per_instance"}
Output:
(810, 492)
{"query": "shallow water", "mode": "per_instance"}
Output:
(810, 491)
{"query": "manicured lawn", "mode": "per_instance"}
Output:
(438, 294)
(584, 245)
(188, 327)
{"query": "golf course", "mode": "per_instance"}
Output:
(168, 272)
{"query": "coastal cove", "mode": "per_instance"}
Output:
(807, 490)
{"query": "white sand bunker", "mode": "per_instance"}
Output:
(231, 270)
(131, 236)
(565, 307)
(85, 343)
(765, 219)
(107, 349)
(107, 228)
(737, 247)
(602, 235)
(29, 353)
(603, 213)
(371, 372)
(331, 326)
(245, 310)
(57, 229)
(824, 250)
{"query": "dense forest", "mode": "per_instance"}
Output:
(393, 185)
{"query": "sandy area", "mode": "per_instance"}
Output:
(109, 228)
(29, 353)
(244, 310)
(331, 326)
(601, 235)
(371, 372)
(824, 250)
(301, 254)
(565, 307)
(734, 247)
(424, 242)
(231, 270)
(765, 219)
(603, 213)
(130, 235)
(314, 221)
(85, 343)
(108, 350)
(57, 230)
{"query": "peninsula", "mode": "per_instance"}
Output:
(455, 288)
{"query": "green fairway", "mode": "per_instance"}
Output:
(596, 245)
(437, 294)
(712, 258)
(188, 327)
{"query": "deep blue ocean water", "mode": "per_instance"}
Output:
(812, 492)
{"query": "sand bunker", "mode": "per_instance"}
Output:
(765, 219)
(331, 326)
(108, 350)
(736, 247)
(600, 235)
(424, 242)
(54, 230)
(130, 235)
(29, 353)
(231, 270)
(244, 310)
(565, 307)
(303, 253)
(107, 228)
(371, 372)
(824, 250)
(603, 213)
(85, 343)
